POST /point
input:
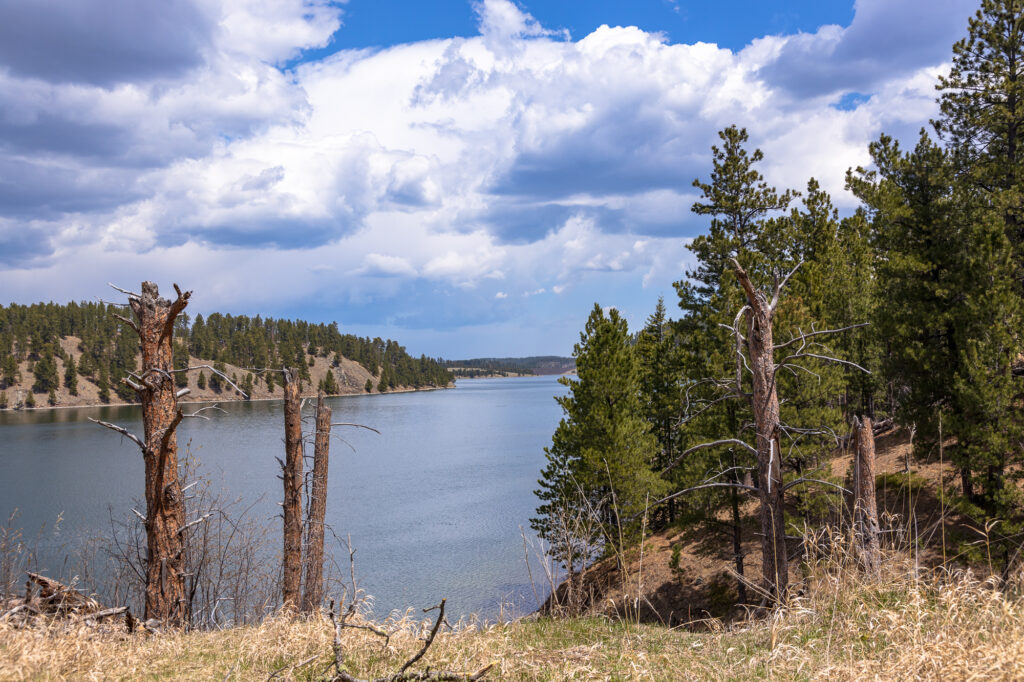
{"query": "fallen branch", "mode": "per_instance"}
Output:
(106, 613)
(290, 667)
(404, 674)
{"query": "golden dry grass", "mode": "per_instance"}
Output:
(948, 626)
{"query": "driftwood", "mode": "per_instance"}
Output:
(47, 600)
(54, 597)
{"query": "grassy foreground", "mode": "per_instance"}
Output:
(948, 626)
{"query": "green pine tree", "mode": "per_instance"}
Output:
(45, 372)
(982, 112)
(71, 376)
(600, 459)
(950, 315)
(329, 384)
(660, 384)
(103, 383)
(11, 374)
(181, 362)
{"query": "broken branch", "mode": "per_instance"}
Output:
(123, 431)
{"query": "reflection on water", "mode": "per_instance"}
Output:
(434, 504)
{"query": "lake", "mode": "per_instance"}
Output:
(433, 505)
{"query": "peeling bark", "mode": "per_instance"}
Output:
(313, 594)
(165, 505)
(292, 477)
(865, 509)
(765, 403)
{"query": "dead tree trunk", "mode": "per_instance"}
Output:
(165, 505)
(292, 477)
(313, 594)
(765, 402)
(865, 509)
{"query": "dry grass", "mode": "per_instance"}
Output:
(842, 626)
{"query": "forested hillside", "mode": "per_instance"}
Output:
(797, 324)
(77, 353)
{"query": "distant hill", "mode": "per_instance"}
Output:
(77, 354)
(529, 366)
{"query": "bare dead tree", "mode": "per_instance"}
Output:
(760, 344)
(291, 469)
(313, 593)
(764, 400)
(165, 506)
(754, 349)
(865, 509)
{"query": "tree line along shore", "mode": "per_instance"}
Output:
(77, 354)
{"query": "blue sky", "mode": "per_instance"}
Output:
(466, 176)
(377, 23)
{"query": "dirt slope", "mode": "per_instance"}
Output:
(702, 585)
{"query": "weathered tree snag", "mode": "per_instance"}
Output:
(165, 505)
(313, 593)
(765, 402)
(292, 477)
(865, 509)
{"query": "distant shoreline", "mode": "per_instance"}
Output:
(231, 399)
(515, 376)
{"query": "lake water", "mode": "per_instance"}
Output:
(434, 504)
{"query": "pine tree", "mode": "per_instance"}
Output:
(982, 120)
(982, 111)
(71, 376)
(103, 383)
(181, 361)
(751, 246)
(660, 386)
(45, 372)
(329, 384)
(201, 381)
(86, 366)
(10, 370)
(601, 455)
(950, 314)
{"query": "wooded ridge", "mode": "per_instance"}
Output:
(78, 353)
